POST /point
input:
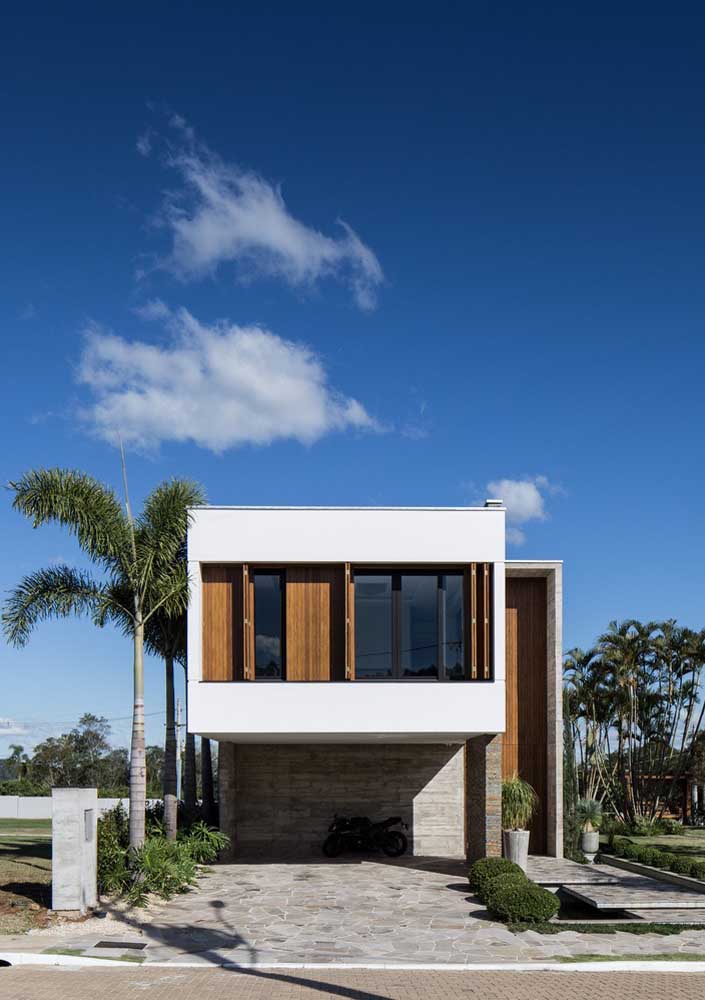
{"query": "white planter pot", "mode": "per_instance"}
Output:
(590, 842)
(515, 846)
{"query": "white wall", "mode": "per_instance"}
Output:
(361, 535)
(362, 712)
(39, 806)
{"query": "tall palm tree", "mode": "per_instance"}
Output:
(137, 559)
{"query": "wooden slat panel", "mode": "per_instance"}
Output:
(222, 622)
(486, 621)
(248, 632)
(349, 624)
(524, 746)
(315, 623)
(473, 621)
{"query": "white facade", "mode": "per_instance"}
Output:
(362, 711)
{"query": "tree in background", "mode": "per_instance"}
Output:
(140, 574)
(634, 710)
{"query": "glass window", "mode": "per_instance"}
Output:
(268, 625)
(373, 626)
(452, 627)
(418, 647)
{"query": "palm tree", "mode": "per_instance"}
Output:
(137, 559)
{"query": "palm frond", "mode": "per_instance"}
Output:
(162, 525)
(90, 510)
(55, 592)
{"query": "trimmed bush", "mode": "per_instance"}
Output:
(486, 870)
(651, 856)
(667, 859)
(697, 870)
(517, 900)
(681, 866)
(631, 851)
(620, 846)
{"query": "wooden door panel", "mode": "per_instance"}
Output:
(315, 623)
(222, 622)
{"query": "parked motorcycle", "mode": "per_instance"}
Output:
(358, 833)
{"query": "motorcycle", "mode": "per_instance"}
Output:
(358, 833)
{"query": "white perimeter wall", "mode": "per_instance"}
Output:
(39, 806)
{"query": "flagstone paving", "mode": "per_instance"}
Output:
(368, 912)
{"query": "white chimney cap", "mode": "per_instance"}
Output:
(494, 503)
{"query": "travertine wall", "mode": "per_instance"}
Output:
(484, 796)
(285, 795)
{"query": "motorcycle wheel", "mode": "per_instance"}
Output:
(333, 846)
(395, 844)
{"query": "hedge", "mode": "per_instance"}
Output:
(516, 899)
(484, 872)
(659, 859)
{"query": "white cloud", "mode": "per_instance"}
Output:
(225, 214)
(154, 309)
(10, 727)
(524, 500)
(144, 143)
(217, 386)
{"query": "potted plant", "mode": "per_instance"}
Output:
(589, 813)
(519, 803)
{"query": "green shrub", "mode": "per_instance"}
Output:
(113, 839)
(517, 900)
(667, 859)
(620, 845)
(161, 866)
(670, 826)
(697, 870)
(631, 851)
(681, 866)
(203, 842)
(650, 856)
(23, 786)
(486, 870)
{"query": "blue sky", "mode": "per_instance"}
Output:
(390, 256)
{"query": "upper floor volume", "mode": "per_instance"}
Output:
(346, 594)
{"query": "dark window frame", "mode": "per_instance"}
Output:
(281, 573)
(396, 575)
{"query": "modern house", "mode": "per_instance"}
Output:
(373, 661)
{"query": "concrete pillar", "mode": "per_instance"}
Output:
(74, 849)
(483, 796)
(227, 795)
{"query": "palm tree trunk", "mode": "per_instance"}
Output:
(189, 783)
(169, 774)
(207, 781)
(138, 766)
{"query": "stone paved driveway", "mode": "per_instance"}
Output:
(409, 911)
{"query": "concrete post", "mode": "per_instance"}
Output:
(74, 837)
(483, 796)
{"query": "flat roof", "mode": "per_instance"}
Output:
(217, 506)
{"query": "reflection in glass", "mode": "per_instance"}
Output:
(419, 626)
(373, 626)
(452, 627)
(268, 625)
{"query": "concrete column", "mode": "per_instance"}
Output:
(74, 849)
(227, 794)
(483, 796)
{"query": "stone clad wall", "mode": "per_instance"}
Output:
(285, 795)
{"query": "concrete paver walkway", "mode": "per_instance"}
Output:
(163, 984)
(413, 911)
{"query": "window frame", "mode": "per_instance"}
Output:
(396, 574)
(279, 572)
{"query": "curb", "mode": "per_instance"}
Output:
(76, 961)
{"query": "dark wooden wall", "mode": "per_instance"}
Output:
(524, 747)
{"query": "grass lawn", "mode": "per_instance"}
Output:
(688, 844)
(25, 875)
(13, 827)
